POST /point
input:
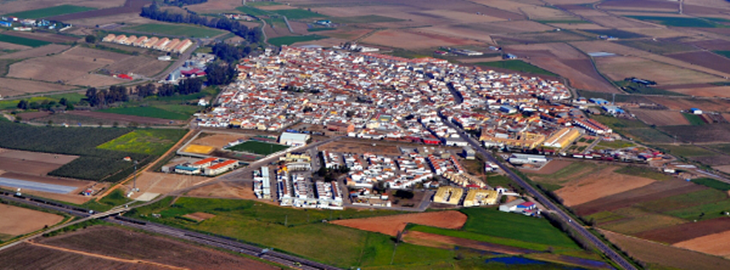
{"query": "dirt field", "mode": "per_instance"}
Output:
(16, 87)
(552, 167)
(717, 133)
(120, 243)
(396, 38)
(213, 6)
(704, 59)
(37, 52)
(715, 244)
(49, 37)
(225, 190)
(32, 163)
(714, 91)
(18, 220)
(162, 183)
(11, 46)
(619, 68)
(138, 65)
(656, 32)
(218, 140)
(15, 6)
(448, 242)
(653, 191)
(704, 104)
(390, 225)
(660, 118)
(128, 7)
(598, 185)
(655, 253)
(199, 216)
(28, 256)
(687, 231)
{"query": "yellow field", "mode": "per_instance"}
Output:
(199, 149)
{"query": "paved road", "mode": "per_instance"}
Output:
(546, 202)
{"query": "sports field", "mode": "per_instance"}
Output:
(49, 12)
(23, 41)
(176, 30)
(260, 148)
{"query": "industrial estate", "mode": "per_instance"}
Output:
(392, 134)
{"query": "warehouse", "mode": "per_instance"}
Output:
(293, 139)
(518, 159)
(562, 138)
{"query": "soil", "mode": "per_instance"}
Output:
(687, 231)
(130, 6)
(218, 140)
(391, 225)
(122, 117)
(684, 104)
(43, 36)
(715, 244)
(552, 167)
(651, 192)
(667, 256)
(238, 190)
(705, 59)
(120, 243)
(58, 159)
(413, 39)
(598, 185)
(16, 87)
(17, 220)
(660, 118)
(440, 241)
(27, 256)
(199, 216)
(162, 183)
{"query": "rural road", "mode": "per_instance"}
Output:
(613, 255)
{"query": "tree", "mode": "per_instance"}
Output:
(23, 104)
(90, 39)
(219, 74)
(63, 101)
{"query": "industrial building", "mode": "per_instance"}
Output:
(520, 206)
(479, 197)
(262, 183)
(562, 138)
(221, 167)
(293, 139)
(519, 159)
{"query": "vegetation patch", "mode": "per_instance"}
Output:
(154, 112)
(712, 183)
(295, 14)
(150, 142)
(617, 144)
(252, 11)
(176, 30)
(518, 65)
(678, 21)
(49, 12)
(614, 33)
(704, 211)
(260, 148)
(288, 40)
(23, 41)
(687, 150)
(694, 119)
(643, 172)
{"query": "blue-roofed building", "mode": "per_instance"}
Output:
(6, 24)
(599, 101)
(186, 170)
(612, 109)
(695, 111)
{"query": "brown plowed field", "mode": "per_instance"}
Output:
(620, 67)
(715, 244)
(121, 117)
(598, 185)
(653, 191)
(226, 191)
(668, 256)
(17, 220)
(130, 6)
(218, 140)
(27, 256)
(11, 46)
(413, 40)
(138, 65)
(43, 36)
(390, 225)
(683, 104)
(15, 87)
(163, 183)
(718, 133)
(687, 231)
(36, 52)
(704, 59)
(660, 118)
(713, 91)
(640, 4)
(448, 242)
(713, 44)
(552, 167)
(120, 243)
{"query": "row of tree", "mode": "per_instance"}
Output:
(44, 105)
(230, 53)
(181, 3)
(115, 93)
(237, 28)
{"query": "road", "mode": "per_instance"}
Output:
(545, 201)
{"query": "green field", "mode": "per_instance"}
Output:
(712, 210)
(176, 30)
(304, 234)
(23, 41)
(725, 54)
(492, 222)
(49, 12)
(257, 147)
(694, 119)
(678, 21)
(150, 141)
(686, 150)
(518, 65)
(574, 171)
(181, 112)
(320, 29)
(672, 203)
(617, 144)
(479, 237)
(252, 11)
(649, 135)
(364, 19)
(644, 172)
(712, 183)
(12, 104)
(295, 14)
(288, 40)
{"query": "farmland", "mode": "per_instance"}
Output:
(712, 183)
(23, 41)
(149, 142)
(176, 30)
(18, 221)
(391, 225)
(700, 134)
(678, 21)
(260, 148)
(364, 19)
(518, 65)
(155, 112)
(49, 12)
(288, 40)
(295, 14)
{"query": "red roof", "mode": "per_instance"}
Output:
(204, 161)
(222, 164)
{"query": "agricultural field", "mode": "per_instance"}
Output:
(49, 12)
(717, 133)
(22, 41)
(519, 66)
(297, 14)
(177, 30)
(260, 148)
(364, 19)
(149, 142)
(391, 225)
(679, 21)
(686, 150)
(19, 221)
(660, 118)
(180, 112)
(712, 183)
(18, 87)
(288, 40)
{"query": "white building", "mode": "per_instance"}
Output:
(293, 139)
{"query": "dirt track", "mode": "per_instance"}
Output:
(390, 225)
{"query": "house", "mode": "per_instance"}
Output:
(695, 111)
(455, 141)
(221, 167)
(294, 139)
(203, 163)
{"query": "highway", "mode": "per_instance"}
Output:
(545, 201)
